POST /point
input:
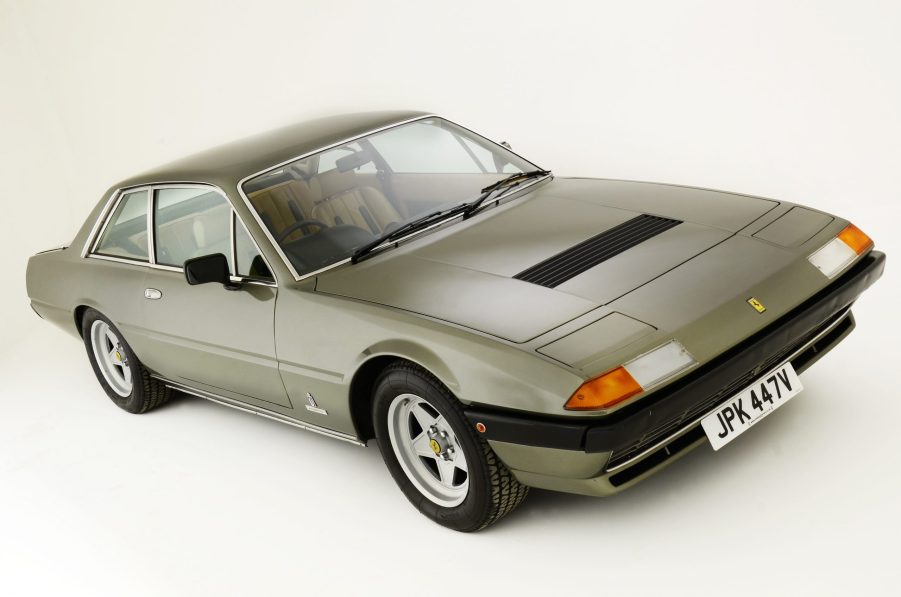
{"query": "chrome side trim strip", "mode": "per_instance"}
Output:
(168, 268)
(151, 225)
(234, 241)
(268, 414)
(683, 430)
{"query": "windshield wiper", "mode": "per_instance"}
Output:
(467, 209)
(407, 228)
(510, 181)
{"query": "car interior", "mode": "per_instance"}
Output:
(329, 203)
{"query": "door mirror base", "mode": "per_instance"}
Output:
(210, 268)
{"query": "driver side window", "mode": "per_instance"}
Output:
(190, 222)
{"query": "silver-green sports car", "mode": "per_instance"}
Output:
(395, 276)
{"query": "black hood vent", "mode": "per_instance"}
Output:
(573, 261)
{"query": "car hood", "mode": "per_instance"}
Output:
(466, 273)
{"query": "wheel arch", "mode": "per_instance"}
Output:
(81, 307)
(78, 315)
(377, 359)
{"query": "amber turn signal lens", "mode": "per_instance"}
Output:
(604, 391)
(855, 238)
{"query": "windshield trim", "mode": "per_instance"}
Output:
(345, 261)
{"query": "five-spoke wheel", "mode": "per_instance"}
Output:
(428, 450)
(126, 381)
(435, 455)
(111, 358)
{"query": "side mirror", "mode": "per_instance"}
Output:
(209, 268)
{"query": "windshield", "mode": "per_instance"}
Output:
(322, 208)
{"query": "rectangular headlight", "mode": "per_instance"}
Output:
(638, 375)
(660, 364)
(839, 252)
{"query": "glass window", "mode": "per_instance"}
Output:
(250, 262)
(329, 160)
(190, 222)
(488, 159)
(126, 233)
(422, 147)
(322, 208)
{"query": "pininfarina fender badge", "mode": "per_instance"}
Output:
(758, 306)
(313, 407)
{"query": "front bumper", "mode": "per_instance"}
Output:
(631, 442)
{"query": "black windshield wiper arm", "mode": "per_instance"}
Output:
(467, 209)
(407, 228)
(510, 181)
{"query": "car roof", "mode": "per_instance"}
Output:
(228, 164)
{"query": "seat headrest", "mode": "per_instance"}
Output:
(334, 182)
(293, 189)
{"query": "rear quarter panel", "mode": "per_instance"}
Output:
(59, 282)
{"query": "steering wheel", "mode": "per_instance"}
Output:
(300, 225)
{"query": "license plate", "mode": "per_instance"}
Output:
(744, 410)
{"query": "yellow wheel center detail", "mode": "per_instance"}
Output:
(118, 356)
(436, 447)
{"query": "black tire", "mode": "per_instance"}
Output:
(146, 392)
(493, 491)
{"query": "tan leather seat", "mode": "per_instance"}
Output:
(347, 202)
(277, 204)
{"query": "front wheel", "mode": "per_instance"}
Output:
(443, 467)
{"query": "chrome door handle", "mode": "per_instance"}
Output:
(152, 294)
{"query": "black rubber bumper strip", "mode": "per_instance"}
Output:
(623, 427)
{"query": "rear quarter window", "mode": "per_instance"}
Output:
(126, 233)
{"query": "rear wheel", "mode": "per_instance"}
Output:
(125, 380)
(440, 463)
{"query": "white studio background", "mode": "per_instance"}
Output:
(793, 100)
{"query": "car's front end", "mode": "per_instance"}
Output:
(604, 454)
(659, 303)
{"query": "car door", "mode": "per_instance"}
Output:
(118, 262)
(205, 336)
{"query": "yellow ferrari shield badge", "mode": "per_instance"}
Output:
(758, 306)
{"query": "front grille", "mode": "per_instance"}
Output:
(690, 415)
(578, 259)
